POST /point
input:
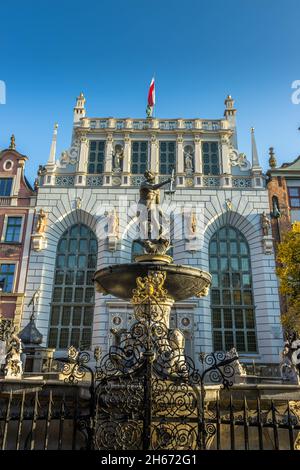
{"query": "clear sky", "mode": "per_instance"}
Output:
(199, 50)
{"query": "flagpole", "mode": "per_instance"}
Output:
(154, 92)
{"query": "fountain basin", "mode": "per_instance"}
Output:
(181, 282)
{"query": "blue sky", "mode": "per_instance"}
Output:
(200, 51)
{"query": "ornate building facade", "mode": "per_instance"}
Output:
(88, 198)
(17, 206)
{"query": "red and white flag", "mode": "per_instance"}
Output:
(151, 94)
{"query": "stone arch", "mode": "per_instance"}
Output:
(42, 264)
(262, 268)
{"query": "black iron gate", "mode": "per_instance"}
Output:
(144, 394)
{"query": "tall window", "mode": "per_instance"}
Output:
(210, 158)
(96, 156)
(13, 229)
(231, 293)
(7, 272)
(139, 157)
(72, 304)
(167, 160)
(5, 186)
(294, 197)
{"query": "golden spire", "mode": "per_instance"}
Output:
(272, 159)
(12, 142)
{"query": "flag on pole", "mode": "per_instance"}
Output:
(151, 98)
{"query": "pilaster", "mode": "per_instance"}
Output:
(154, 157)
(108, 159)
(127, 155)
(224, 155)
(198, 160)
(82, 161)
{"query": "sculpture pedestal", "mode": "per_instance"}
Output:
(39, 241)
(267, 242)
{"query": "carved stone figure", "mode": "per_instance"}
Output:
(36, 184)
(113, 224)
(265, 224)
(13, 364)
(178, 364)
(275, 206)
(64, 158)
(41, 221)
(229, 205)
(78, 202)
(193, 223)
(149, 111)
(41, 170)
(190, 220)
(290, 360)
(118, 155)
(188, 161)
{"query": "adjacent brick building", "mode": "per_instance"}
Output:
(17, 201)
(284, 198)
(284, 195)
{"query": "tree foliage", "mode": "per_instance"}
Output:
(288, 271)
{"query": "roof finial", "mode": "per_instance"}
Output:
(79, 110)
(229, 106)
(255, 162)
(12, 142)
(52, 154)
(272, 159)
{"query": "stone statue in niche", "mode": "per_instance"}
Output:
(41, 222)
(265, 224)
(118, 156)
(188, 159)
(275, 205)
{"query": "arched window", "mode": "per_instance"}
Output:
(72, 306)
(233, 318)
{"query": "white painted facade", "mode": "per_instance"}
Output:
(237, 196)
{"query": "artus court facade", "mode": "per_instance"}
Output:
(82, 228)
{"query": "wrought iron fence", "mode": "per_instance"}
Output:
(144, 394)
(58, 417)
